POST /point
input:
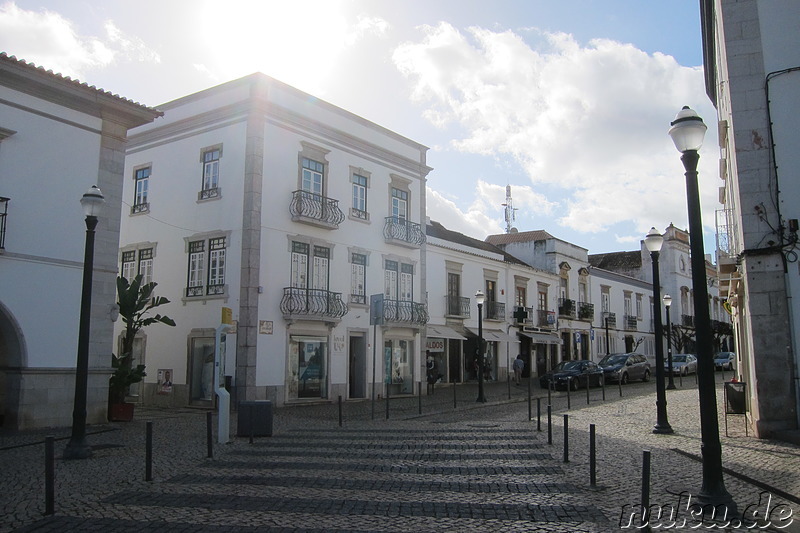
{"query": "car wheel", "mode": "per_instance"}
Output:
(624, 379)
(646, 376)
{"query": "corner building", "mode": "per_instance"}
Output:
(292, 212)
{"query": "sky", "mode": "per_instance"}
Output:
(567, 101)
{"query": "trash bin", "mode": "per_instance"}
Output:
(255, 417)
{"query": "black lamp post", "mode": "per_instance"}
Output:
(687, 133)
(653, 242)
(77, 447)
(671, 382)
(605, 318)
(480, 298)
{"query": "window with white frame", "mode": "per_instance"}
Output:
(146, 265)
(141, 178)
(360, 184)
(131, 265)
(358, 278)
(210, 158)
(311, 176)
(399, 204)
(206, 267)
(398, 281)
(605, 298)
(638, 306)
(627, 303)
(310, 263)
(128, 267)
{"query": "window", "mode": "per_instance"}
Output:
(398, 281)
(319, 263)
(210, 280)
(311, 178)
(605, 299)
(358, 278)
(359, 209)
(627, 303)
(542, 299)
(639, 306)
(399, 204)
(210, 158)
(390, 280)
(146, 265)
(520, 296)
(128, 270)
(141, 178)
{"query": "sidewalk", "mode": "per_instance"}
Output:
(623, 427)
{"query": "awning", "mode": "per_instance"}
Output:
(543, 338)
(492, 335)
(444, 332)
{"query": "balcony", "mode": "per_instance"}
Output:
(140, 208)
(3, 212)
(631, 322)
(456, 306)
(546, 319)
(315, 210)
(206, 290)
(687, 321)
(312, 304)
(609, 319)
(403, 232)
(567, 308)
(585, 311)
(494, 310)
(404, 313)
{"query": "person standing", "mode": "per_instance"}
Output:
(519, 364)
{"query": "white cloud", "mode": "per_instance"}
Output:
(473, 223)
(49, 40)
(589, 120)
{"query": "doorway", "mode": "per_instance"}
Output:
(357, 377)
(454, 360)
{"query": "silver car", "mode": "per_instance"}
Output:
(683, 364)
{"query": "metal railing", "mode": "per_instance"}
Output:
(298, 301)
(631, 322)
(403, 230)
(687, 321)
(585, 311)
(457, 306)
(547, 319)
(404, 312)
(494, 310)
(610, 318)
(315, 207)
(566, 308)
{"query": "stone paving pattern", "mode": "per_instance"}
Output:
(475, 467)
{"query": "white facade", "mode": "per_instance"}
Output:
(752, 70)
(57, 138)
(291, 212)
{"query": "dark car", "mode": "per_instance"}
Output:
(573, 374)
(624, 367)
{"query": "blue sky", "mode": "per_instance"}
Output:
(567, 101)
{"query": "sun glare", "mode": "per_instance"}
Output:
(295, 41)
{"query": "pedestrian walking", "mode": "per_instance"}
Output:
(519, 365)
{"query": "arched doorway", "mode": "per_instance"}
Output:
(12, 358)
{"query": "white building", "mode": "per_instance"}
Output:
(58, 137)
(292, 212)
(751, 53)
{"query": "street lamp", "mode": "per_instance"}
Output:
(687, 133)
(667, 303)
(480, 298)
(77, 447)
(653, 242)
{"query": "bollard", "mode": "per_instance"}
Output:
(592, 457)
(587, 389)
(645, 488)
(549, 388)
(603, 386)
(508, 382)
(419, 410)
(454, 395)
(250, 415)
(148, 462)
(387, 400)
(538, 414)
(549, 424)
(566, 438)
(680, 378)
(340, 410)
(49, 476)
(209, 436)
(619, 383)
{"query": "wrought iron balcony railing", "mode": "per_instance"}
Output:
(140, 208)
(585, 311)
(687, 321)
(609, 319)
(404, 312)
(207, 194)
(457, 306)
(566, 308)
(494, 310)
(315, 209)
(404, 232)
(547, 319)
(631, 322)
(205, 290)
(312, 303)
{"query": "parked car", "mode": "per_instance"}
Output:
(724, 360)
(573, 374)
(683, 364)
(624, 367)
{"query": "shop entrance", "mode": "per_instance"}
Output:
(358, 367)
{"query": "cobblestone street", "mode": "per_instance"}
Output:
(469, 468)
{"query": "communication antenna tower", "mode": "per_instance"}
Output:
(509, 211)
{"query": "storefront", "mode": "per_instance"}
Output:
(398, 358)
(443, 346)
(308, 367)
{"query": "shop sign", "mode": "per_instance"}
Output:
(434, 345)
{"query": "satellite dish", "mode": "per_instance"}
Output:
(514, 230)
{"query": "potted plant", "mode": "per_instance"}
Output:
(135, 301)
